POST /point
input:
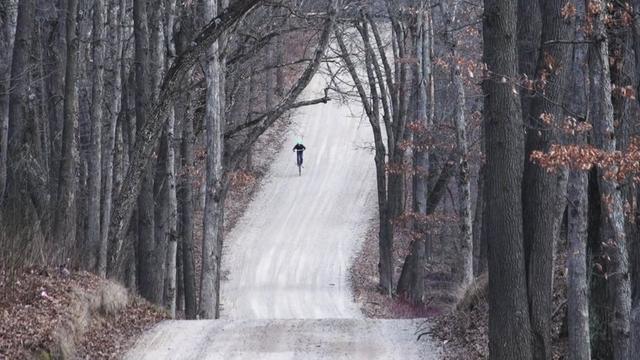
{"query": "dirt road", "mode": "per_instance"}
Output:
(289, 256)
(287, 295)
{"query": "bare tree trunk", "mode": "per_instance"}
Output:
(578, 289)
(64, 226)
(509, 330)
(115, 19)
(56, 57)
(423, 80)
(541, 193)
(19, 81)
(372, 109)
(635, 251)
(412, 277)
(186, 185)
(578, 313)
(211, 252)
(479, 251)
(612, 232)
(146, 254)
(529, 32)
(464, 247)
(6, 42)
(172, 233)
(186, 198)
(95, 152)
(172, 201)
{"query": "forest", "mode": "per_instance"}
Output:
(505, 145)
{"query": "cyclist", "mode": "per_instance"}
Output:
(299, 148)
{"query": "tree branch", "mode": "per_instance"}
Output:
(229, 134)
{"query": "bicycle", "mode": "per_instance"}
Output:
(299, 161)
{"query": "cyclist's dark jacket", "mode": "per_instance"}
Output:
(299, 148)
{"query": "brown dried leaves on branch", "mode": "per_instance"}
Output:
(617, 165)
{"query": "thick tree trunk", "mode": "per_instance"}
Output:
(186, 181)
(412, 277)
(65, 224)
(161, 225)
(578, 289)
(211, 246)
(157, 267)
(6, 42)
(18, 146)
(464, 246)
(420, 153)
(578, 263)
(172, 232)
(635, 314)
(612, 231)
(509, 330)
(171, 273)
(540, 192)
(599, 314)
(95, 152)
(146, 259)
(109, 153)
(186, 198)
(529, 32)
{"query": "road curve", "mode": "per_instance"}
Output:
(287, 295)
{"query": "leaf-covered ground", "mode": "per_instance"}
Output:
(35, 302)
(464, 331)
(364, 281)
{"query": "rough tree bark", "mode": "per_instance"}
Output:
(109, 153)
(146, 271)
(95, 152)
(18, 84)
(7, 18)
(479, 229)
(170, 280)
(211, 247)
(411, 281)
(509, 329)
(635, 315)
(395, 115)
(578, 210)
(529, 32)
(185, 189)
(172, 221)
(464, 246)
(186, 198)
(540, 191)
(578, 289)
(65, 224)
(612, 230)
